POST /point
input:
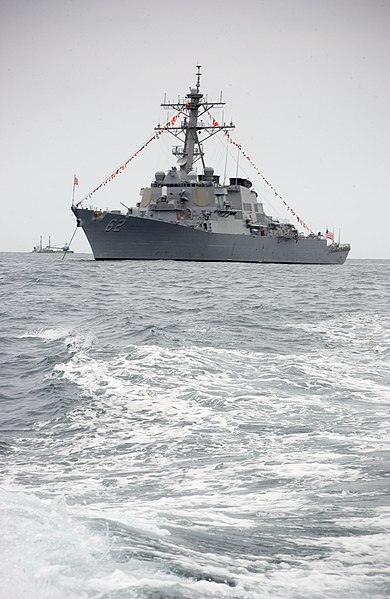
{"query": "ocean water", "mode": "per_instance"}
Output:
(177, 430)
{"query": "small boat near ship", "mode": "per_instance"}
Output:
(189, 215)
(50, 249)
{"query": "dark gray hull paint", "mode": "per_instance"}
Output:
(136, 238)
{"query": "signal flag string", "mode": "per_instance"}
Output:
(123, 166)
(258, 171)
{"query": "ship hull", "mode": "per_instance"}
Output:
(115, 236)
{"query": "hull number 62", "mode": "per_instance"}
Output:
(114, 225)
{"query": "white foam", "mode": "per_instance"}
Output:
(44, 553)
(219, 438)
(75, 341)
(46, 334)
(47, 554)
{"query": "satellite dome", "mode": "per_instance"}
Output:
(208, 172)
(159, 176)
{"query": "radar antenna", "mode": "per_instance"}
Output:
(198, 74)
(192, 108)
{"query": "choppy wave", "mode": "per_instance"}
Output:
(168, 435)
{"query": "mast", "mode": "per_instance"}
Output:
(192, 109)
(191, 135)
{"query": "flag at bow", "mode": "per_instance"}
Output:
(75, 182)
(329, 235)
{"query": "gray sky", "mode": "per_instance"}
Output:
(305, 81)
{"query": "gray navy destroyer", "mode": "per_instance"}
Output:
(186, 215)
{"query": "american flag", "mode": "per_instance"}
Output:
(329, 235)
(75, 180)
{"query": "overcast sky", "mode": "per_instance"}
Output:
(306, 83)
